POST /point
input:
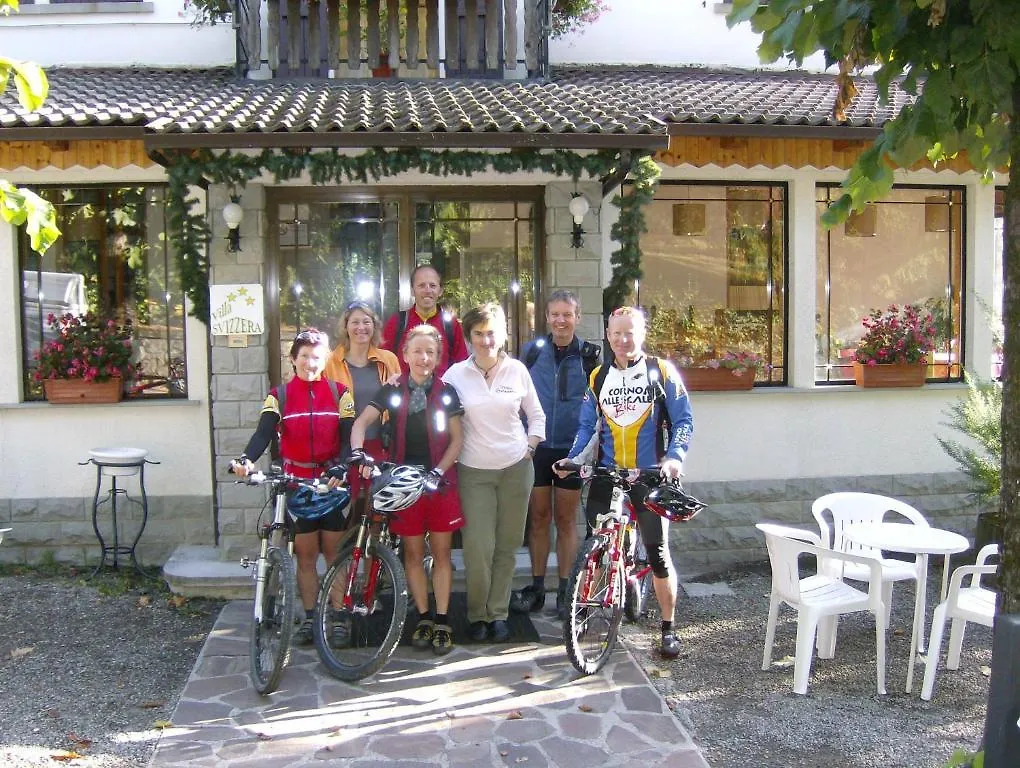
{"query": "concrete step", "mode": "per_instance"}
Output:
(201, 571)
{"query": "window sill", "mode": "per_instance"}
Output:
(64, 9)
(144, 403)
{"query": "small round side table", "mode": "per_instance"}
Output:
(115, 463)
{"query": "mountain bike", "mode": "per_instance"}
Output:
(275, 581)
(363, 600)
(608, 577)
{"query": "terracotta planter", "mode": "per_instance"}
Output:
(67, 391)
(715, 379)
(890, 374)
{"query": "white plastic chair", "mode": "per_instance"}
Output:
(962, 604)
(818, 599)
(849, 508)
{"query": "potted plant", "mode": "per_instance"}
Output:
(978, 416)
(88, 360)
(732, 370)
(895, 347)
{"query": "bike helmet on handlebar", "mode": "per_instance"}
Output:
(306, 504)
(397, 488)
(673, 503)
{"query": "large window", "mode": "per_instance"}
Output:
(112, 259)
(330, 252)
(714, 263)
(906, 249)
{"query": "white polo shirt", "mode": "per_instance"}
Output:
(494, 434)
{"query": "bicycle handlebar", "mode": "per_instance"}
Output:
(276, 476)
(619, 475)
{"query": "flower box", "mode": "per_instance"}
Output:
(68, 391)
(890, 374)
(716, 379)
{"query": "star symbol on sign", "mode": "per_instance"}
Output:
(242, 291)
(250, 301)
(231, 296)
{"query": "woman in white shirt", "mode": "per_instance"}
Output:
(495, 470)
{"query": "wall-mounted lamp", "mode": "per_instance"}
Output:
(233, 215)
(578, 208)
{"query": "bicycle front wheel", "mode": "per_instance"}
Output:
(359, 626)
(639, 588)
(269, 647)
(594, 621)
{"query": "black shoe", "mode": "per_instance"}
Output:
(527, 600)
(304, 634)
(670, 645)
(478, 631)
(499, 631)
(562, 606)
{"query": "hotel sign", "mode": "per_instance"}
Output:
(237, 309)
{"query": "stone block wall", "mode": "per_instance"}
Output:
(240, 376)
(61, 528)
(724, 534)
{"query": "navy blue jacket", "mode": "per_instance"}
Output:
(560, 389)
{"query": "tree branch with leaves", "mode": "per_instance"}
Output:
(18, 205)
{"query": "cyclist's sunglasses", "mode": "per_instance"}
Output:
(312, 336)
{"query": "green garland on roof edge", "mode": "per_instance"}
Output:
(190, 232)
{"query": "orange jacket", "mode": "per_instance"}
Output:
(336, 367)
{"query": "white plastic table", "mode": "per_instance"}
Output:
(912, 540)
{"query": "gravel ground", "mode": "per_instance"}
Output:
(91, 667)
(743, 717)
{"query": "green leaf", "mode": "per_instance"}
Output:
(29, 79)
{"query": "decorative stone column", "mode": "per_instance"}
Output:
(240, 376)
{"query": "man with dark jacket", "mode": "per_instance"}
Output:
(559, 365)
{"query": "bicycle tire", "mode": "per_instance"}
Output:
(591, 628)
(269, 644)
(638, 590)
(373, 628)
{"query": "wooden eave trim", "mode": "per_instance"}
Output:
(72, 133)
(491, 140)
(757, 130)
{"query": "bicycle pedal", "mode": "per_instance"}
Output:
(246, 562)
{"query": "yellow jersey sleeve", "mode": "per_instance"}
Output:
(346, 405)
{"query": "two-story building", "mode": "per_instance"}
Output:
(363, 138)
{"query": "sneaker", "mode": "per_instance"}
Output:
(527, 600)
(305, 631)
(423, 634)
(562, 605)
(442, 640)
(670, 645)
(478, 631)
(499, 631)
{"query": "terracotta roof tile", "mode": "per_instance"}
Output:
(628, 101)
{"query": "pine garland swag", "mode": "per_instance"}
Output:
(190, 232)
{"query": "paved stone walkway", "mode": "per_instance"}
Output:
(519, 704)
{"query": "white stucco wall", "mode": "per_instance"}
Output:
(666, 33)
(40, 444)
(157, 33)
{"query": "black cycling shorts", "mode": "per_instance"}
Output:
(654, 529)
(543, 459)
(335, 520)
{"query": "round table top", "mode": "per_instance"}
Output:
(120, 455)
(907, 538)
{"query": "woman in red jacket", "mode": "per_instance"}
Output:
(425, 414)
(312, 425)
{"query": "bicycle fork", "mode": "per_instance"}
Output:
(367, 603)
(613, 523)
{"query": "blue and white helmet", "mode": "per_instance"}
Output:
(306, 504)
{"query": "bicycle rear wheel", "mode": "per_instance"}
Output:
(356, 631)
(590, 630)
(269, 646)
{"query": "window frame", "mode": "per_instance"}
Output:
(23, 251)
(727, 184)
(961, 334)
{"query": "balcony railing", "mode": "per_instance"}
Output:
(393, 38)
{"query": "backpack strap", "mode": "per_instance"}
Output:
(591, 356)
(402, 318)
(448, 330)
(663, 423)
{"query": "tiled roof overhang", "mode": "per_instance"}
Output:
(582, 108)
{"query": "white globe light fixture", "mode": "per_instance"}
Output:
(578, 208)
(233, 215)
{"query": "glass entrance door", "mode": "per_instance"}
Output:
(328, 255)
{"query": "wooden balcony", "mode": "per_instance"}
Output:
(415, 39)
